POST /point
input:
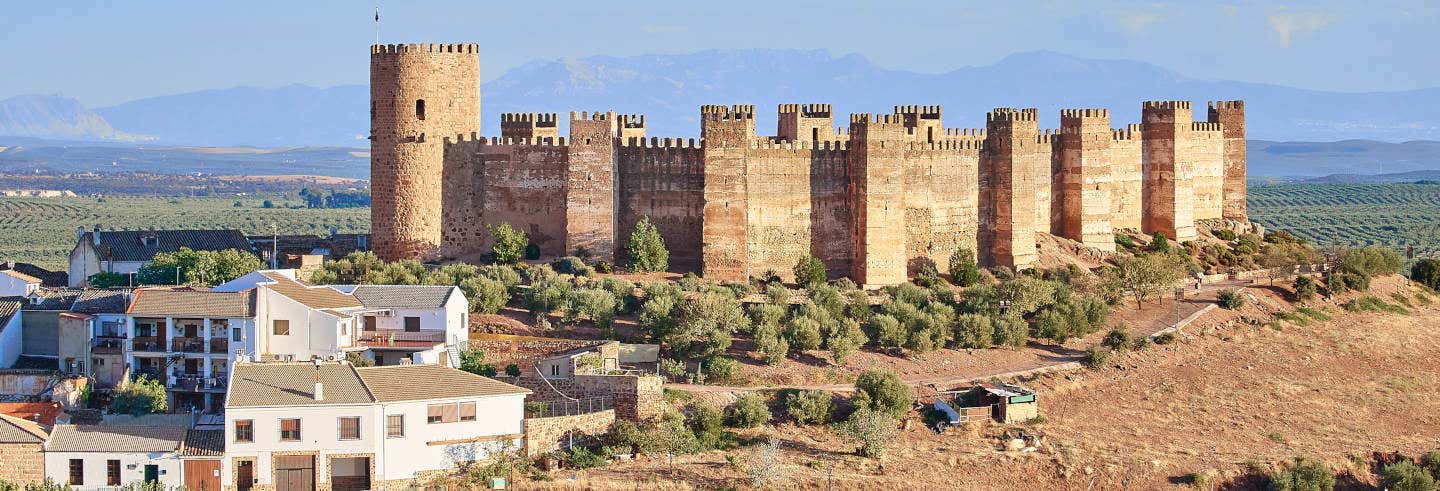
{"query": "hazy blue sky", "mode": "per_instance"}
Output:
(105, 52)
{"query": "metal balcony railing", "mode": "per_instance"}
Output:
(568, 408)
(219, 345)
(396, 337)
(148, 343)
(188, 345)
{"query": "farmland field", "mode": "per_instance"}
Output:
(1394, 215)
(42, 230)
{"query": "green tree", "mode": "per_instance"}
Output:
(107, 279)
(200, 268)
(803, 333)
(748, 411)
(875, 431)
(772, 346)
(809, 272)
(963, 269)
(1147, 275)
(647, 248)
(486, 295)
(883, 391)
(809, 406)
(1159, 243)
(509, 243)
(1406, 476)
(704, 325)
(138, 397)
(473, 360)
(1010, 331)
(1426, 272)
(1305, 288)
(974, 331)
(845, 339)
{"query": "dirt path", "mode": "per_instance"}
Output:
(1035, 358)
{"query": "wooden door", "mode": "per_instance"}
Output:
(295, 473)
(202, 475)
(369, 323)
(245, 475)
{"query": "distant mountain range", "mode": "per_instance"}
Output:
(669, 89)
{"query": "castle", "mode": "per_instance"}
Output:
(874, 200)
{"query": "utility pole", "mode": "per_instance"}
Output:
(274, 232)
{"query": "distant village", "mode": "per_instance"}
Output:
(270, 382)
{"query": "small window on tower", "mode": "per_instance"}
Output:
(420, 109)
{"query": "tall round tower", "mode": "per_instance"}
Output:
(419, 95)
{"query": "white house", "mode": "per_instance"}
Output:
(187, 339)
(303, 426)
(12, 336)
(126, 251)
(16, 284)
(100, 457)
(411, 321)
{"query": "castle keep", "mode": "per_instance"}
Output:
(874, 200)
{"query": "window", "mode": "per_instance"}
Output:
(77, 472)
(467, 411)
(236, 334)
(442, 413)
(555, 370)
(412, 324)
(290, 430)
(420, 109)
(344, 328)
(244, 431)
(112, 472)
(395, 426)
(280, 327)
(350, 428)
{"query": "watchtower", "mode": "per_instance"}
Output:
(419, 94)
(804, 122)
(726, 133)
(528, 126)
(877, 167)
(1084, 190)
(1231, 116)
(1012, 168)
(923, 121)
(1169, 193)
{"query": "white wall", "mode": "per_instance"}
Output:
(496, 415)
(319, 430)
(57, 468)
(11, 286)
(312, 333)
(83, 263)
(11, 340)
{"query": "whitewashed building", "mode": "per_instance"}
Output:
(16, 284)
(336, 426)
(99, 457)
(187, 339)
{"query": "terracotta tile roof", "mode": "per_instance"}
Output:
(315, 297)
(114, 438)
(421, 382)
(21, 276)
(130, 245)
(8, 307)
(403, 296)
(203, 443)
(20, 430)
(96, 301)
(293, 384)
(52, 279)
(171, 302)
(48, 411)
(53, 299)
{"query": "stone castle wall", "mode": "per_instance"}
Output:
(875, 201)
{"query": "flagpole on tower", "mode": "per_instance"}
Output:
(377, 24)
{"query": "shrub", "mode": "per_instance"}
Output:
(1371, 261)
(772, 346)
(974, 331)
(1224, 234)
(708, 424)
(1305, 288)
(1231, 299)
(584, 458)
(1010, 331)
(1343, 281)
(572, 265)
(486, 295)
(845, 340)
(809, 406)
(1096, 357)
(1165, 338)
(1304, 475)
(874, 430)
(883, 391)
(720, 368)
(512, 370)
(963, 269)
(803, 333)
(647, 248)
(1124, 241)
(473, 360)
(809, 272)
(1431, 462)
(1118, 339)
(748, 411)
(604, 267)
(1159, 243)
(141, 396)
(887, 331)
(1406, 476)
(106, 279)
(510, 244)
(671, 367)
(626, 435)
(1426, 272)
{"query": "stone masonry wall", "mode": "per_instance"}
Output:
(1206, 148)
(877, 168)
(525, 185)
(590, 191)
(727, 132)
(1231, 116)
(942, 179)
(23, 463)
(1126, 176)
(1168, 169)
(1085, 178)
(778, 215)
(545, 435)
(663, 180)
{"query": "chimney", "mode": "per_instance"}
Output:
(95, 235)
(319, 391)
(35, 417)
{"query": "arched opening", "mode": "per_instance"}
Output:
(420, 109)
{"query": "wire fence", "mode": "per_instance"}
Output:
(568, 408)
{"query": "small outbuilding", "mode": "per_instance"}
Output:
(1006, 403)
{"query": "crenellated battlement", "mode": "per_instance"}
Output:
(922, 112)
(872, 119)
(1084, 113)
(1205, 127)
(536, 119)
(400, 49)
(1166, 105)
(656, 142)
(1227, 104)
(977, 133)
(592, 116)
(1130, 132)
(719, 112)
(1048, 136)
(768, 144)
(1012, 114)
(954, 145)
(630, 120)
(806, 110)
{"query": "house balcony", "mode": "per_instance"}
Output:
(149, 343)
(186, 382)
(187, 345)
(107, 345)
(219, 346)
(395, 338)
